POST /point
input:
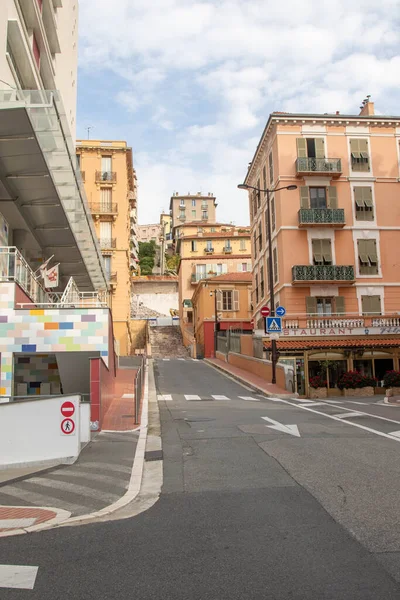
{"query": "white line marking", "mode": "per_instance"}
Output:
(16, 523)
(315, 404)
(216, 397)
(128, 396)
(301, 399)
(348, 415)
(166, 359)
(181, 358)
(353, 402)
(18, 577)
(333, 401)
(395, 433)
(195, 360)
(192, 397)
(164, 397)
(291, 429)
(249, 398)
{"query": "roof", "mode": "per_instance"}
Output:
(307, 344)
(239, 277)
(217, 234)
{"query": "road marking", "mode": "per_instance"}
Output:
(191, 397)
(301, 400)
(18, 577)
(166, 359)
(333, 401)
(348, 415)
(315, 404)
(249, 398)
(181, 358)
(395, 433)
(353, 402)
(291, 429)
(16, 523)
(216, 397)
(164, 397)
(195, 360)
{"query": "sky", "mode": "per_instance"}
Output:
(190, 85)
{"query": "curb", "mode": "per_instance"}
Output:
(250, 385)
(61, 516)
(134, 484)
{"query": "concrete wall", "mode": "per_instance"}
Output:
(261, 368)
(74, 370)
(138, 333)
(162, 303)
(85, 422)
(30, 432)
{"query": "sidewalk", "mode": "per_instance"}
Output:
(121, 413)
(253, 381)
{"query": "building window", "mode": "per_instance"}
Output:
(264, 176)
(323, 307)
(262, 282)
(201, 272)
(208, 245)
(271, 169)
(182, 215)
(260, 239)
(310, 148)
(194, 245)
(227, 300)
(107, 266)
(253, 202)
(317, 197)
(322, 252)
(106, 199)
(228, 245)
(204, 214)
(212, 230)
(182, 202)
(367, 257)
(243, 244)
(193, 202)
(193, 213)
(106, 168)
(371, 305)
(273, 223)
(275, 259)
(359, 155)
(256, 287)
(364, 203)
(244, 268)
(255, 243)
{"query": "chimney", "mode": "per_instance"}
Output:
(367, 108)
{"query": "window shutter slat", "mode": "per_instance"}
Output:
(311, 305)
(332, 195)
(319, 148)
(327, 250)
(235, 300)
(367, 197)
(365, 304)
(219, 301)
(340, 305)
(359, 196)
(301, 148)
(375, 306)
(304, 196)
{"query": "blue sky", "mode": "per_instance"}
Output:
(190, 84)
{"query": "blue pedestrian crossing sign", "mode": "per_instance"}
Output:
(280, 311)
(274, 325)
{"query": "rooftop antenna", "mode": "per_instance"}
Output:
(88, 131)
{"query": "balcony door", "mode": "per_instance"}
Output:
(105, 232)
(106, 164)
(106, 199)
(107, 266)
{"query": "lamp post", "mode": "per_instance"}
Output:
(244, 186)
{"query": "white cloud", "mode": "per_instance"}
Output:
(199, 79)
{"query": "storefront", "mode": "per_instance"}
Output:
(333, 357)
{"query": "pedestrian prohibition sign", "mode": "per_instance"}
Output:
(67, 426)
(67, 408)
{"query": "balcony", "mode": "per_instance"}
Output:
(108, 243)
(227, 250)
(319, 166)
(209, 250)
(327, 273)
(106, 177)
(319, 217)
(195, 277)
(113, 279)
(107, 208)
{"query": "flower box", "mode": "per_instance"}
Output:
(359, 392)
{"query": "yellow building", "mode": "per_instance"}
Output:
(192, 207)
(110, 185)
(206, 254)
(227, 296)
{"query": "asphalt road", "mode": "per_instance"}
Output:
(300, 505)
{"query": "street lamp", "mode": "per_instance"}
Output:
(244, 186)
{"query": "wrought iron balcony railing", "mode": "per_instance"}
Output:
(312, 166)
(104, 208)
(108, 243)
(302, 273)
(107, 176)
(321, 216)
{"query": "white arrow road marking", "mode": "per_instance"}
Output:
(249, 398)
(348, 415)
(292, 429)
(18, 577)
(216, 397)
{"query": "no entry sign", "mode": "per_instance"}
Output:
(67, 426)
(265, 311)
(67, 408)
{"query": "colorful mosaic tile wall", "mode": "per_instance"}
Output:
(47, 331)
(31, 372)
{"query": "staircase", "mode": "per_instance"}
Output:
(166, 342)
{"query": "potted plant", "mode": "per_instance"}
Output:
(353, 383)
(318, 387)
(391, 381)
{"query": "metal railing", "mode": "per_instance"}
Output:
(323, 273)
(108, 243)
(319, 165)
(195, 277)
(228, 249)
(104, 208)
(321, 216)
(110, 176)
(13, 267)
(336, 321)
(209, 250)
(139, 387)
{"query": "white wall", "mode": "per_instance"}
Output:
(162, 303)
(85, 422)
(30, 432)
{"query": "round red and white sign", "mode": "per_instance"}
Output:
(265, 311)
(67, 408)
(68, 426)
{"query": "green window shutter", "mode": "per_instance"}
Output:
(371, 251)
(365, 305)
(327, 251)
(311, 305)
(339, 300)
(363, 146)
(235, 300)
(367, 196)
(355, 148)
(362, 251)
(319, 148)
(301, 148)
(264, 178)
(219, 301)
(332, 195)
(359, 197)
(273, 214)
(317, 250)
(375, 305)
(304, 196)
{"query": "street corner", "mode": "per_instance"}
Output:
(15, 520)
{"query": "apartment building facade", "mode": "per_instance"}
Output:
(110, 183)
(192, 207)
(334, 240)
(206, 254)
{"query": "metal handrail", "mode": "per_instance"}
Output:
(14, 267)
(105, 208)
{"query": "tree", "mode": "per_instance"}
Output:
(147, 252)
(172, 262)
